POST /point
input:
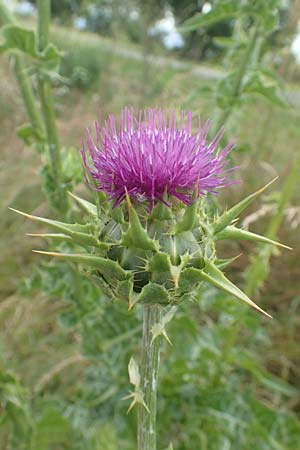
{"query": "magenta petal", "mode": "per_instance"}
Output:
(150, 154)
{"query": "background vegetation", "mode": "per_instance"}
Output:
(231, 379)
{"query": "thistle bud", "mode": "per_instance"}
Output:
(149, 239)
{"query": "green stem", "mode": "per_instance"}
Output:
(250, 58)
(48, 107)
(23, 78)
(246, 61)
(149, 380)
(28, 95)
(44, 9)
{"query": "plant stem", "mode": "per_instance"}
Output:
(44, 12)
(23, 79)
(250, 58)
(48, 108)
(149, 380)
(28, 95)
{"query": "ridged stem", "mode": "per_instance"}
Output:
(250, 57)
(48, 108)
(23, 78)
(28, 95)
(149, 380)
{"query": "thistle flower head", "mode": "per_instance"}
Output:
(152, 154)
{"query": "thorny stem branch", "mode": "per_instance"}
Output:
(149, 380)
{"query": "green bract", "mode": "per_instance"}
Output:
(158, 257)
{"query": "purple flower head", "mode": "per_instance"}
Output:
(150, 154)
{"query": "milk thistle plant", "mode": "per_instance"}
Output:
(150, 239)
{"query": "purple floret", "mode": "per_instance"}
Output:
(152, 156)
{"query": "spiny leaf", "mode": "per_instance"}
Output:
(22, 40)
(50, 56)
(135, 379)
(160, 262)
(220, 12)
(30, 134)
(267, 86)
(224, 42)
(169, 315)
(134, 373)
(159, 328)
(222, 263)
(85, 205)
(161, 211)
(136, 236)
(117, 214)
(17, 38)
(216, 277)
(162, 269)
(106, 267)
(69, 229)
(124, 290)
(58, 236)
(189, 219)
(231, 232)
(153, 293)
(228, 216)
(137, 399)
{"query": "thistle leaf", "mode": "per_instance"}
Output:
(169, 315)
(219, 13)
(135, 379)
(228, 216)
(160, 262)
(231, 232)
(136, 236)
(58, 236)
(189, 219)
(18, 39)
(90, 208)
(222, 263)
(117, 214)
(161, 211)
(215, 276)
(65, 228)
(124, 290)
(134, 373)
(153, 293)
(159, 328)
(108, 268)
(137, 398)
